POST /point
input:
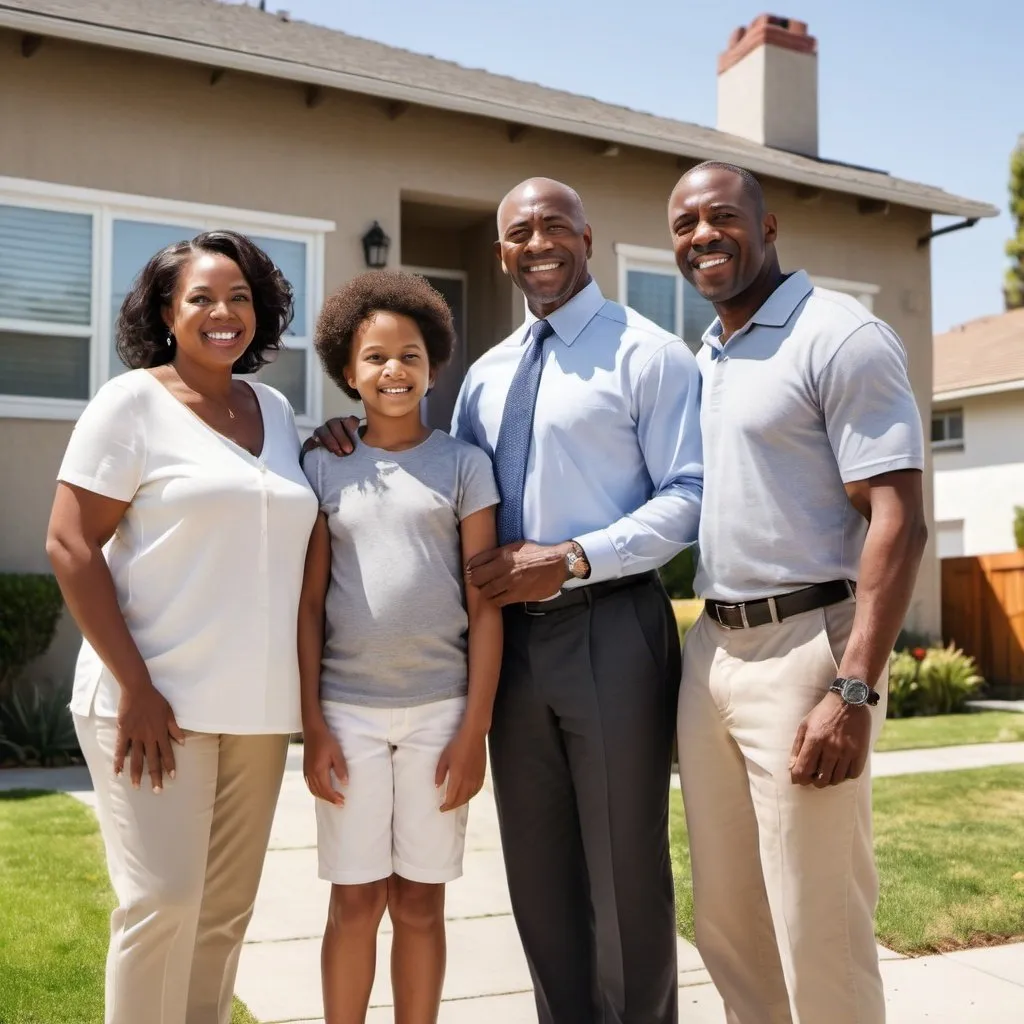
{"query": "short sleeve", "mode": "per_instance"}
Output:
(106, 453)
(477, 489)
(311, 466)
(871, 416)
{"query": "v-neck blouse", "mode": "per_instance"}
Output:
(208, 559)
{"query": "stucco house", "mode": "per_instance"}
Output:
(977, 435)
(127, 124)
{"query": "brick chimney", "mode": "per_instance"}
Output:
(768, 85)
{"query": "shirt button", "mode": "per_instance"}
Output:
(262, 466)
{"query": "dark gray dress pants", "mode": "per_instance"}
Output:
(581, 748)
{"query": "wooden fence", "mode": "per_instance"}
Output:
(983, 612)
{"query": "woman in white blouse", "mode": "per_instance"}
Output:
(178, 535)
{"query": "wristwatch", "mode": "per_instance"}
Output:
(576, 563)
(855, 692)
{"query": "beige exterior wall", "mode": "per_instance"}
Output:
(88, 117)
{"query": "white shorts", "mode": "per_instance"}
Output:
(391, 822)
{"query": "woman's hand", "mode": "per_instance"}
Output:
(320, 755)
(145, 728)
(336, 435)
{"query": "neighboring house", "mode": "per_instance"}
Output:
(128, 125)
(978, 435)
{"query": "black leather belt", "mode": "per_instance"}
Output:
(775, 609)
(585, 594)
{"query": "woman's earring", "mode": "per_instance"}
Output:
(170, 338)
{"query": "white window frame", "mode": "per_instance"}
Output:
(864, 293)
(106, 207)
(948, 443)
(651, 261)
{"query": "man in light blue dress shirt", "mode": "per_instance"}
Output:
(591, 414)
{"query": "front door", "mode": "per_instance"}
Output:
(440, 403)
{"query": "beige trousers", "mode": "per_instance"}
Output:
(784, 880)
(185, 865)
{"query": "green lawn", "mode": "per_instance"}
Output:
(55, 902)
(950, 850)
(952, 730)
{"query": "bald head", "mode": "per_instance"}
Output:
(544, 242)
(543, 190)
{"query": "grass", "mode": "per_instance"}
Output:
(55, 903)
(950, 852)
(951, 730)
(687, 613)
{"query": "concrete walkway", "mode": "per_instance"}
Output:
(487, 978)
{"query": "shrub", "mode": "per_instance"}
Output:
(948, 678)
(932, 681)
(36, 728)
(1018, 525)
(30, 607)
(903, 684)
(677, 575)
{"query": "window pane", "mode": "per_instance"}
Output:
(290, 258)
(134, 243)
(653, 295)
(287, 373)
(938, 429)
(698, 316)
(45, 265)
(955, 426)
(42, 366)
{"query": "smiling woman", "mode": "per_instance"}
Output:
(177, 535)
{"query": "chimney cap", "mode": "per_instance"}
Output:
(765, 30)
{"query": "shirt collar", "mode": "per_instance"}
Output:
(775, 312)
(568, 321)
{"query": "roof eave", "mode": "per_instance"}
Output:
(978, 390)
(764, 162)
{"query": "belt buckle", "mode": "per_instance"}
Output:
(719, 607)
(527, 611)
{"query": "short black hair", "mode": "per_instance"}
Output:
(751, 186)
(381, 291)
(142, 335)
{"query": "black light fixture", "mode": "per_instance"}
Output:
(375, 247)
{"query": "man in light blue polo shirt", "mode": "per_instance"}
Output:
(811, 533)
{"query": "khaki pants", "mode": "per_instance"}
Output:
(784, 879)
(185, 865)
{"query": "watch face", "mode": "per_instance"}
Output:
(855, 691)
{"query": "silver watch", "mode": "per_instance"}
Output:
(855, 692)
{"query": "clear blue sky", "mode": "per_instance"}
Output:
(926, 89)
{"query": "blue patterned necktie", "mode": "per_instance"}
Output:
(515, 434)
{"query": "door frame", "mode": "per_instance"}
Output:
(451, 275)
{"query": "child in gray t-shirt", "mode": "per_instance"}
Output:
(399, 660)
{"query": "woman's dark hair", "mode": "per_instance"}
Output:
(381, 291)
(142, 335)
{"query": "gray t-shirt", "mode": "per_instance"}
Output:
(396, 624)
(812, 395)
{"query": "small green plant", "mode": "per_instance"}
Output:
(948, 679)
(903, 684)
(1018, 525)
(36, 727)
(30, 608)
(677, 575)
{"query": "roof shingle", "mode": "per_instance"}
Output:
(222, 35)
(981, 353)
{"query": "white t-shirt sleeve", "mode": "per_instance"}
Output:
(106, 453)
(871, 417)
(477, 489)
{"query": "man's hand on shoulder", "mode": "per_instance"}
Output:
(520, 572)
(336, 435)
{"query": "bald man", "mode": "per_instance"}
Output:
(591, 415)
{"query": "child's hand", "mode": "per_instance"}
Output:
(464, 762)
(321, 753)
